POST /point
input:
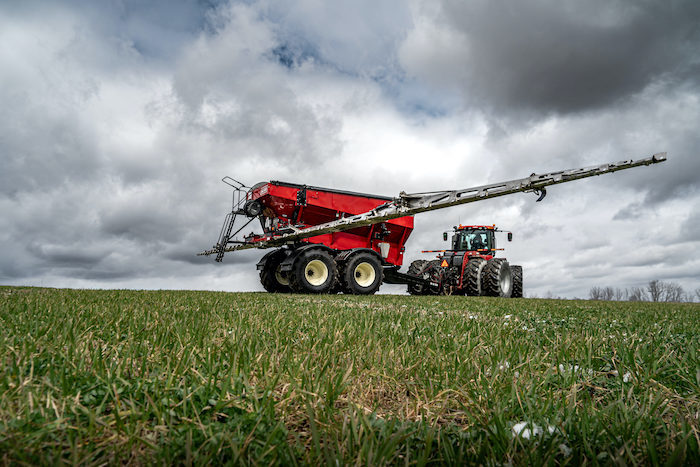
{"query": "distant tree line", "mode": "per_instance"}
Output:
(655, 291)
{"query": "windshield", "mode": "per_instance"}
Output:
(474, 240)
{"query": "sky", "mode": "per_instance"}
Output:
(119, 119)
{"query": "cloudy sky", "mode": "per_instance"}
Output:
(119, 118)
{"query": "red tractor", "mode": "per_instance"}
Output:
(327, 240)
(470, 267)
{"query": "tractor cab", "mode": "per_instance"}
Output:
(474, 238)
(479, 239)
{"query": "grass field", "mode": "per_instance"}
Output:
(179, 377)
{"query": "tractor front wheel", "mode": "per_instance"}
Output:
(471, 282)
(497, 278)
(313, 271)
(362, 274)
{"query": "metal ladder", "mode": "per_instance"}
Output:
(238, 198)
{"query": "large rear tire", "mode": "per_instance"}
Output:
(517, 281)
(416, 269)
(472, 277)
(362, 274)
(313, 271)
(271, 278)
(497, 278)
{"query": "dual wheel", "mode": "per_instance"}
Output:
(315, 270)
(495, 278)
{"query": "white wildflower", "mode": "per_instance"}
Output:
(568, 369)
(627, 377)
(565, 450)
(520, 429)
(528, 430)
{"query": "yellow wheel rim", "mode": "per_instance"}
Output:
(364, 274)
(281, 278)
(316, 272)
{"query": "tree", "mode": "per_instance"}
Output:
(604, 293)
(656, 290)
(637, 294)
(596, 293)
(620, 294)
(673, 292)
(608, 293)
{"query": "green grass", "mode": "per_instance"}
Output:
(97, 377)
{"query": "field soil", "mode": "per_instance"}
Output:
(144, 377)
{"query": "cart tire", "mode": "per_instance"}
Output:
(271, 278)
(362, 274)
(313, 271)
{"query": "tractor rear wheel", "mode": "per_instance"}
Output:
(362, 274)
(313, 271)
(517, 281)
(472, 277)
(497, 278)
(416, 269)
(271, 278)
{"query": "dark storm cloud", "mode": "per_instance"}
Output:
(554, 56)
(143, 223)
(67, 256)
(43, 144)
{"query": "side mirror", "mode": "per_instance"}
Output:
(510, 236)
(444, 236)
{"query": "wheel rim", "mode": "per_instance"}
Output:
(316, 272)
(281, 278)
(364, 274)
(506, 281)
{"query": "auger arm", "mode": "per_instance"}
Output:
(415, 203)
